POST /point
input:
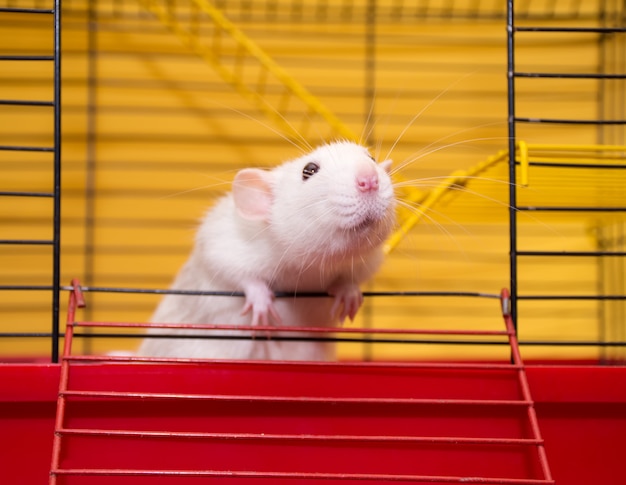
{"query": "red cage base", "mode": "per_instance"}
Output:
(581, 410)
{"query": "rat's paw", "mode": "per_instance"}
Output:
(263, 313)
(348, 300)
(260, 301)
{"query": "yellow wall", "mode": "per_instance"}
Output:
(155, 134)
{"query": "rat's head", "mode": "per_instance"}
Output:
(332, 202)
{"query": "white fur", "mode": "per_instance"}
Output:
(278, 232)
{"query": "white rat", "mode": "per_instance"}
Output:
(314, 224)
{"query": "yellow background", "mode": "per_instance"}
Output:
(152, 134)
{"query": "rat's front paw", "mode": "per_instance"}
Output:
(260, 301)
(348, 300)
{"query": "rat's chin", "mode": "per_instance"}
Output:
(364, 225)
(369, 232)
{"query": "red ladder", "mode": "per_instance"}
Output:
(163, 421)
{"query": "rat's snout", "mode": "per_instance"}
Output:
(367, 180)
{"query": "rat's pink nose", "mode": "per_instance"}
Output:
(367, 182)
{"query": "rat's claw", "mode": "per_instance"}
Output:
(262, 316)
(275, 315)
(260, 301)
(348, 300)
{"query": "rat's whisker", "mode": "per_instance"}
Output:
(422, 111)
(421, 154)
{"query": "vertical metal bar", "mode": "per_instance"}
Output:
(370, 71)
(512, 153)
(620, 67)
(525, 388)
(602, 275)
(603, 40)
(91, 154)
(619, 310)
(368, 131)
(56, 245)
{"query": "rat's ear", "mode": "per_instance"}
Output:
(252, 192)
(386, 165)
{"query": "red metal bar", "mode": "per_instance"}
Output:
(79, 298)
(456, 440)
(76, 301)
(290, 399)
(523, 381)
(375, 365)
(269, 328)
(304, 475)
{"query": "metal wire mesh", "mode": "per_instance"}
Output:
(112, 209)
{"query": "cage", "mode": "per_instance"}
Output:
(123, 121)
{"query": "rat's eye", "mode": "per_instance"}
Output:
(309, 170)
